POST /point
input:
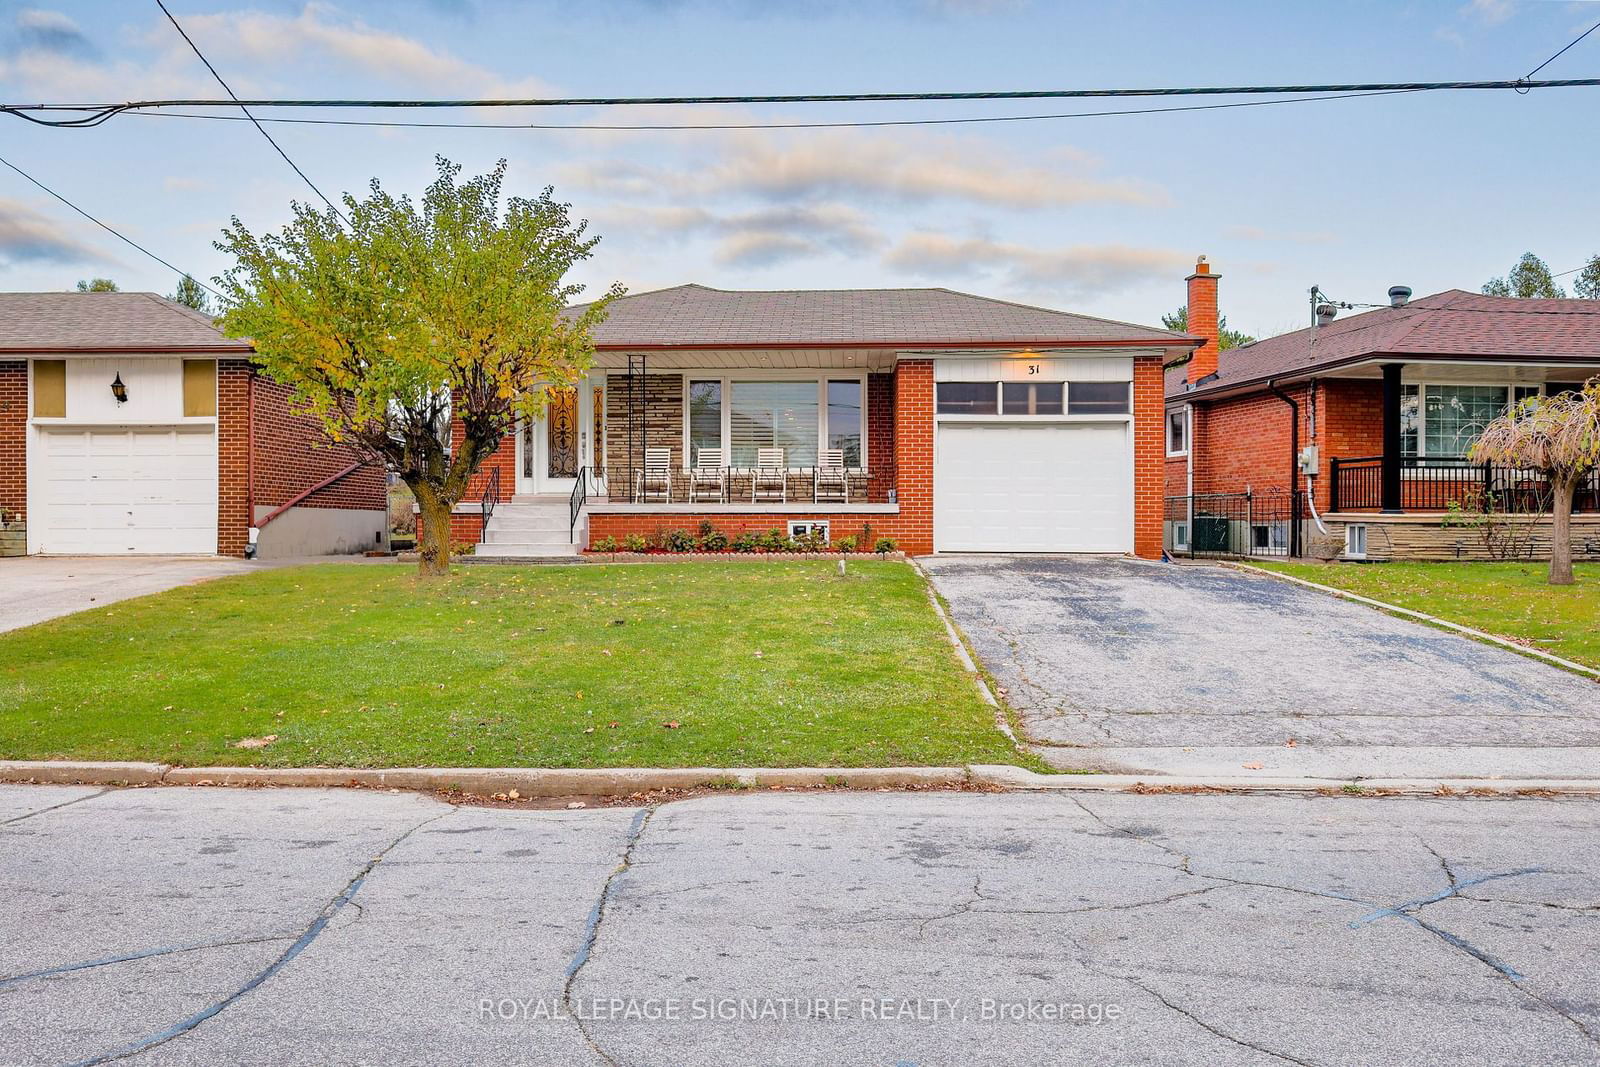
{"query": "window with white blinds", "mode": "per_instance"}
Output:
(796, 415)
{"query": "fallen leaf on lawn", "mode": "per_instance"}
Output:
(605, 652)
(672, 724)
(514, 795)
(758, 653)
(611, 726)
(588, 729)
(1253, 765)
(254, 742)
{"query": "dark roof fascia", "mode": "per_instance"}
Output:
(114, 350)
(723, 346)
(1259, 382)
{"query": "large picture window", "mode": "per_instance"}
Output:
(801, 416)
(1442, 421)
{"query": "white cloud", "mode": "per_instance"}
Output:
(320, 33)
(26, 236)
(1076, 271)
(1257, 233)
(1490, 12)
(762, 237)
(878, 167)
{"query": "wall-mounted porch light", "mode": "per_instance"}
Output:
(119, 390)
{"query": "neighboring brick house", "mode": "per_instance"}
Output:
(129, 424)
(1378, 409)
(946, 421)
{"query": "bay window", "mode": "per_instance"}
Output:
(802, 416)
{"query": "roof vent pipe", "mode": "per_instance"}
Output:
(1398, 295)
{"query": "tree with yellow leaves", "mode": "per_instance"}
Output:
(396, 318)
(1558, 436)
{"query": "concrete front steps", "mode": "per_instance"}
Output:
(532, 529)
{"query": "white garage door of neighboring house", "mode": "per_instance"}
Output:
(118, 491)
(1062, 487)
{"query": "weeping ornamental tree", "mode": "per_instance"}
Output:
(1559, 436)
(389, 325)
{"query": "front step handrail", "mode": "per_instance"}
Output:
(580, 494)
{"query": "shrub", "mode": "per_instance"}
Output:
(635, 542)
(713, 540)
(774, 541)
(865, 537)
(846, 544)
(885, 545)
(706, 529)
(747, 542)
(606, 544)
(811, 541)
(678, 541)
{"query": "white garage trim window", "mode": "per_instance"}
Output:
(1036, 461)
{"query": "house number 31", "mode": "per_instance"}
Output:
(1033, 368)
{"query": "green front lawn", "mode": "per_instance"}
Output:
(1510, 600)
(700, 664)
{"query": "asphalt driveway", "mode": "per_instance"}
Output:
(1120, 654)
(36, 588)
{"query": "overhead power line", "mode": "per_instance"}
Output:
(1563, 51)
(823, 125)
(130, 242)
(279, 148)
(94, 114)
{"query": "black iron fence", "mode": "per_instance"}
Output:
(1249, 524)
(744, 485)
(1442, 484)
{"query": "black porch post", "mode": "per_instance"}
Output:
(1389, 490)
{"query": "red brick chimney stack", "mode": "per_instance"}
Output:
(1203, 320)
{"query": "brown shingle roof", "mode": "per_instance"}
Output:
(693, 316)
(106, 322)
(1451, 324)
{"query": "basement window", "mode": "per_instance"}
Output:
(799, 528)
(1355, 541)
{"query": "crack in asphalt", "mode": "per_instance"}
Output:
(145, 954)
(591, 933)
(55, 807)
(307, 936)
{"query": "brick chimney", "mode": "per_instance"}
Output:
(1203, 320)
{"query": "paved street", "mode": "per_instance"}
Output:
(1142, 660)
(204, 926)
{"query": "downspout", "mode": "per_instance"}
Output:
(1188, 473)
(1294, 461)
(250, 461)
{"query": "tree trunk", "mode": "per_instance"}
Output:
(434, 544)
(1561, 531)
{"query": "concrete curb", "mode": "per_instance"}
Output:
(1395, 609)
(536, 782)
(486, 781)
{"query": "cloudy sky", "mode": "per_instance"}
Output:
(1101, 214)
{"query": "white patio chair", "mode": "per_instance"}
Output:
(709, 475)
(770, 475)
(830, 481)
(656, 477)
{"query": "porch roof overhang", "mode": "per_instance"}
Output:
(1488, 369)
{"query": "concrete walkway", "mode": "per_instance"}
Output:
(1129, 666)
(36, 588)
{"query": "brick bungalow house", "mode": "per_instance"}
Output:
(129, 424)
(947, 421)
(1379, 409)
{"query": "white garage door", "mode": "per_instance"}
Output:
(1001, 487)
(116, 491)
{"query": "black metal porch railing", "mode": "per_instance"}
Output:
(580, 493)
(486, 503)
(1249, 524)
(1428, 484)
(743, 485)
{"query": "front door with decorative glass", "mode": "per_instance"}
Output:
(552, 449)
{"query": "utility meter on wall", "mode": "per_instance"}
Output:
(1308, 460)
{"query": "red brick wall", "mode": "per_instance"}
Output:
(881, 461)
(503, 458)
(1149, 455)
(293, 453)
(651, 526)
(233, 444)
(913, 434)
(1243, 442)
(13, 437)
(1177, 476)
